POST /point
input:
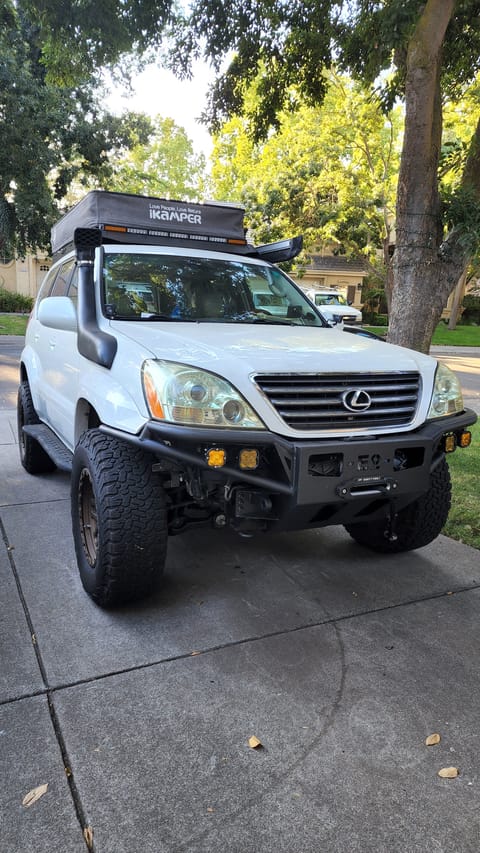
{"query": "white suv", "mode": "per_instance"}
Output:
(334, 306)
(177, 396)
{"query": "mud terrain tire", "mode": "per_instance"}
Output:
(119, 519)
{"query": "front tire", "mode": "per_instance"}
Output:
(119, 519)
(417, 525)
(33, 457)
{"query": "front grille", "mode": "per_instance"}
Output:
(320, 401)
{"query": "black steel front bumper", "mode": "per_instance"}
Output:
(309, 482)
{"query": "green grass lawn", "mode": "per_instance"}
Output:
(462, 336)
(13, 324)
(464, 520)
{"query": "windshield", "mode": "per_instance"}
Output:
(330, 299)
(168, 287)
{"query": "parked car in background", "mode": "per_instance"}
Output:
(271, 303)
(334, 306)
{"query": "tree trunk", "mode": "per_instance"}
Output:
(388, 261)
(423, 276)
(457, 301)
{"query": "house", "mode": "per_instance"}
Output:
(336, 272)
(24, 275)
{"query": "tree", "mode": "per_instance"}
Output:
(433, 50)
(53, 133)
(79, 37)
(329, 171)
(428, 259)
(164, 164)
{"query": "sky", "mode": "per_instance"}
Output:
(159, 92)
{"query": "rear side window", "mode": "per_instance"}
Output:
(62, 280)
(72, 291)
(56, 281)
(47, 284)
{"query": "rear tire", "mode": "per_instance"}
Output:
(417, 525)
(119, 519)
(33, 457)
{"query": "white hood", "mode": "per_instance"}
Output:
(266, 348)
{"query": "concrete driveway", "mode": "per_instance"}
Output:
(340, 662)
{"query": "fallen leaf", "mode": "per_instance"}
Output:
(88, 836)
(209, 809)
(432, 740)
(448, 772)
(194, 653)
(254, 742)
(34, 795)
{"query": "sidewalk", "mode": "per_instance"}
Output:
(138, 719)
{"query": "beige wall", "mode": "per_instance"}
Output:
(24, 275)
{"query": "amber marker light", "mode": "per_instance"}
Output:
(465, 439)
(449, 442)
(216, 457)
(248, 459)
(154, 404)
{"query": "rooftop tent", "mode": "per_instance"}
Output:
(124, 218)
(148, 221)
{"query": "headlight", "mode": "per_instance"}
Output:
(447, 394)
(185, 395)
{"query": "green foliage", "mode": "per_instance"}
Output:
(329, 172)
(286, 44)
(374, 306)
(462, 211)
(164, 164)
(14, 303)
(294, 43)
(78, 37)
(471, 311)
(53, 133)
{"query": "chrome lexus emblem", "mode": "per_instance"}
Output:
(356, 400)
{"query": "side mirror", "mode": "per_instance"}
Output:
(58, 312)
(294, 311)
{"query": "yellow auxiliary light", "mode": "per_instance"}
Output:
(465, 439)
(248, 459)
(216, 457)
(449, 442)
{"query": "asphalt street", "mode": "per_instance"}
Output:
(132, 726)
